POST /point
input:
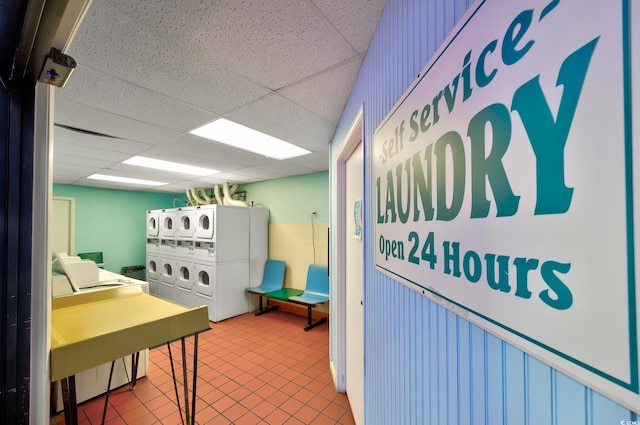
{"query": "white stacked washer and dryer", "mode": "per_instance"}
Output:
(207, 255)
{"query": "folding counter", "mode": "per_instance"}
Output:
(94, 328)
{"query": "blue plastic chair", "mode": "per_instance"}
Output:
(272, 280)
(315, 292)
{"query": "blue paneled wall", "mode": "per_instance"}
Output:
(423, 363)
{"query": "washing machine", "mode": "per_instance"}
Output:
(221, 286)
(153, 273)
(227, 227)
(205, 279)
(153, 223)
(153, 267)
(184, 291)
(168, 223)
(185, 222)
(154, 287)
(168, 272)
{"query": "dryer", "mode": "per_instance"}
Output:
(153, 267)
(185, 274)
(167, 278)
(204, 216)
(221, 286)
(168, 223)
(185, 222)
(153, 223)
(184, 282)
(227, 227)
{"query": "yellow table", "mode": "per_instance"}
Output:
(93, 328)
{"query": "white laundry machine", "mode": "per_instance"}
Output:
(168, 223)
(186, 275)
(185, 222)
(167, 246)
(204, 216)
(224, 230)
(154, 287)
(153, 266)
(153, 245)
(168, 271)
(153, 223)
(208, 255)
(221, 287)
(184, 248)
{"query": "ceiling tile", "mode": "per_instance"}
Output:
(326, 94)
(223, 156)
(355, 19)
(70, 149)
(227, 177)
(285, 168)
(63, 179)
(272, 43)
(70, 159)
(151, 174)
(315, 161)
(73, 137)
(158, 48)
(104, 92)
(86, 118)
(282, 118)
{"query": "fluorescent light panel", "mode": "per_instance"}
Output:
(175, 167)
(239, 136)
(125, 180)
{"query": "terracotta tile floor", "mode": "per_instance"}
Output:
(251, 370)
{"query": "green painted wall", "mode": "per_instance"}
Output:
(113, 221)
(291, 200)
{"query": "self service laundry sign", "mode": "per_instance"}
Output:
(505, 183)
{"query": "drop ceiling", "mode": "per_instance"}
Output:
(150, 71)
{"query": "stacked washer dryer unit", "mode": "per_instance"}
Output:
(153, 252)
(204, 256)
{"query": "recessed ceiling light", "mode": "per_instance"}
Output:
(125, 180)
(239, 136)
(159, 164)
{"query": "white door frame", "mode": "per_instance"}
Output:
(71, 236)
(352, 140)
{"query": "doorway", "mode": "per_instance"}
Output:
(350, 267)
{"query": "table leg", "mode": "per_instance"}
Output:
(52, 399)
(69, 400)
(185, 380)
(195, 375)
(135, 361)
(190, 417)
(106, 398)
